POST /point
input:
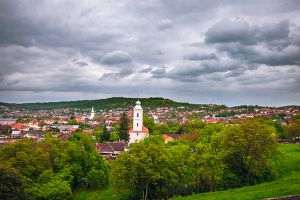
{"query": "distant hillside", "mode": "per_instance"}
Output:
(114, 102)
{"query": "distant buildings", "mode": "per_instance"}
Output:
(7, 121)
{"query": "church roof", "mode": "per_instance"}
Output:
(110, 147)
(138, 105)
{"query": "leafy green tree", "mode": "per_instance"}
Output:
(143, 170)
(114, 135)
(105, 135)
(52, 168)
(248, 149)
(161, 129)
(293, 129)
(208, 167)
(124, 126)
(193, 126)
(55, 189)
(149, 123)
(11, 185)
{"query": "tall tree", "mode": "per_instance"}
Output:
(105, 135)
(248, 149)
(124, 125)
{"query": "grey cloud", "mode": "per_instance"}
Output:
(165, 24)
(82, 64)
(120, 47)
(273, 44)
(158, 72)
(116, 57)
(196, 57)
(227, 31)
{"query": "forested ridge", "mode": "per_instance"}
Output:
(114, 102)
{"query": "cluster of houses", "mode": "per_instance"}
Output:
(58, 121)
(33, 129)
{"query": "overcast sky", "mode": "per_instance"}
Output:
(229, 52)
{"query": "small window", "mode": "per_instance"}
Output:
(137, 114)
(137, 124)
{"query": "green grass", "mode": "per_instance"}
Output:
(107, 194)
(288, 183)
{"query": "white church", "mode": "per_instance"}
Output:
(92, 115)
(138, 132)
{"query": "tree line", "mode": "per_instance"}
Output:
(220, 158)
(50, 169)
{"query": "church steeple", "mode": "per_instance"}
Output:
(138, 131)
(92, 116)
(137, 117)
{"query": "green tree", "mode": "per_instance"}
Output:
(149, 123)
(208, 167)
(105, 135)
(248, 149)
(52, 168)
(11, 185)
(293, 129)
(124, 126)
(143, 170)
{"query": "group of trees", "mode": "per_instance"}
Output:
(220, 157)
(50, 169)
(293, 129)
(206, 157)
(118, 131)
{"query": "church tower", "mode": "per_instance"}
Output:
(138, 132)
(92, 116)
(137, 117)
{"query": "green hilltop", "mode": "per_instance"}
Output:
(115, 102)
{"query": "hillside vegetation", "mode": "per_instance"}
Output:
(114, 102)
(288, 183)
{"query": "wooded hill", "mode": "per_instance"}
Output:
(114, 102)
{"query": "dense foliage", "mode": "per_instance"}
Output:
(50, 169)
(220, 157)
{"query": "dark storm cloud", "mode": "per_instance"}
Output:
(270, 44)
(194, 50)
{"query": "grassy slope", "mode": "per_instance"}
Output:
(287, 184)
(107, 194)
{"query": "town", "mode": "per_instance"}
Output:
(18, 123)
